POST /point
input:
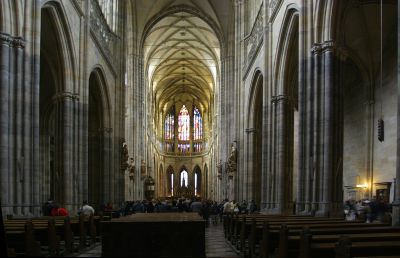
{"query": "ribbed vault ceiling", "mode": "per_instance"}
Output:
(182, 59)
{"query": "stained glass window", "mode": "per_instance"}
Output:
(183, 124)
(183, 148)
(197, 147)
(169, 126)
(197, 124)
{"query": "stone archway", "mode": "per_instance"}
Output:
(99, 143)
(170, 179)
(255, 132)
(197, 181)
(56, 100)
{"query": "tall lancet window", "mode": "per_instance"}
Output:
(169, 126)
(109, 8)
(183, 124)
(195, 183)
(197, 125)
(184, 178)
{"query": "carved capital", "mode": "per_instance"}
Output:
(18, 42)
(280, 99)
(65, 95)
(316, 49)
(329, 45)
(250, 130)
(5, 39)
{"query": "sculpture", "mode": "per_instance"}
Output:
(232, 160)
(124, 156)
(131, 168)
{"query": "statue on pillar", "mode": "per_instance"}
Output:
(131, 168)
(231, 165)
(124, 156)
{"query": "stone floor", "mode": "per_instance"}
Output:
(216, 245)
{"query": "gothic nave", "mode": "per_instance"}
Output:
(291, 103)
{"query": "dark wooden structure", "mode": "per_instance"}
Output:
(154, 235)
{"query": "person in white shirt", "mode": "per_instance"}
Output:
(86, 209)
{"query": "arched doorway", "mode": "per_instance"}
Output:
(197, 181)
(54, 104)
(291, 88)
(206, 184)
(255, 132)
(161, 187)
(170, 181)
(98, 143)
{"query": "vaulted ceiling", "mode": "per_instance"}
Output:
(182, 58)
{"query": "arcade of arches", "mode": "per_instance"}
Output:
(275, 101)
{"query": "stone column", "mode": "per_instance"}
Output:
(328, 128)
(331, 166)
(5, 41)
(284, 191)
(108, 178)
(17, 128)
(312, 177)
(251, 134)
(64, 108)
(67, 149)
(369, 159)
(396, 202)
(271, 174)
(304, 115)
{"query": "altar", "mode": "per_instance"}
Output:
(154, 235)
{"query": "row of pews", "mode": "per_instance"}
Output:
(51, 236)
(306, 237)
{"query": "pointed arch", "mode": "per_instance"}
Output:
(184, 179)
(206, 184)
(197, 181)
(288, 33)
(63, 35)
(255, 133)
(160, 182)
(171, 181)
(97, 74)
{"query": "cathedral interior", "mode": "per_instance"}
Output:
(291, 103)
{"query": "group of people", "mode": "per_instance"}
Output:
(367, 210)
(243, 208)
(51, 208)
(208, 209)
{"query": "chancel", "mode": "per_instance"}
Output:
(200, 128)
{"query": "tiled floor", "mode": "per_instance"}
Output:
(216, 245)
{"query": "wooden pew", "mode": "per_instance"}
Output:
(251, 233)
(346, 243)
(269, 231)
(22, 240)
(45, 232)
(56, 234)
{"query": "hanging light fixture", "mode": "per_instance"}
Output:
(381, 124)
